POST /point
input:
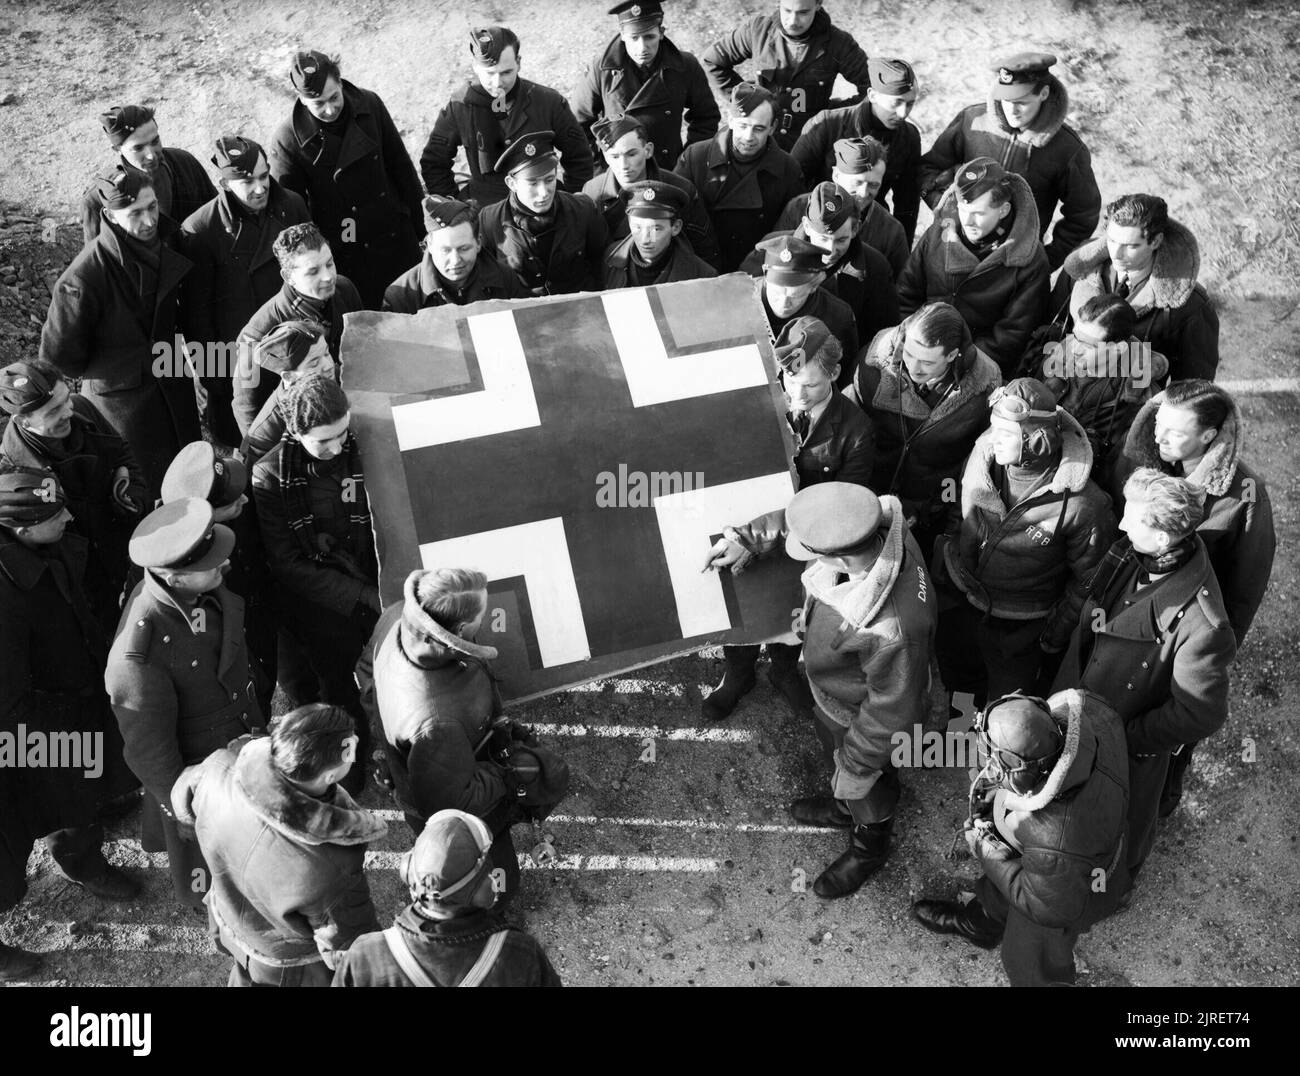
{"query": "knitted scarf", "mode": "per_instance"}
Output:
(1170, 560)
(525, 219)
(297, 467)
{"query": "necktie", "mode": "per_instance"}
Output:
(799, 424)
(1122, 290)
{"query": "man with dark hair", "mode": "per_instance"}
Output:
(1152, 263)
(313, 290)
(229, 240)
(46, 424)
(1047, 819)
(51, 686)
(178, 180)
(1022, 125)
(629, 156)
(859, 170)
(340, 150)
(178, 673)
(642, 70)
(451, 271)
(448, 935)
(797, 54)
(744, 177)
(287, 846)
(882, 117)
(1020, 548)
(112, 324)
(982, 254)
(492, 112)
(551, 240)
(856, 273)
(653, 252)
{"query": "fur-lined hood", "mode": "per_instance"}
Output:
(1173, 271)
(979, 492)
(426, 642)
(1218, 467)
(1067, 712)
(1049, 121)
(977, 375)
(1017, 250)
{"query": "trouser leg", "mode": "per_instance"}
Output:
(1032, 954)
(1146, 780)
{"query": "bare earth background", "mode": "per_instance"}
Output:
(1196, 102)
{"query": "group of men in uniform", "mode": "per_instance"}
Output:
(926, 490)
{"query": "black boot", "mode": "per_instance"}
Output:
(737, 682)
(821, 811)
(867, 852)
(16, 964)
(784, 676)
(1172, 793)
(112, 883)
(971, 921)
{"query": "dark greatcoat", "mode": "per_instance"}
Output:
(578, 241)
(682, 265)
(880, 230)
(677, 86)
(191, 187)
(421, 287)
(126, 355)
(370, 189)
(235, 272)
(611, 200)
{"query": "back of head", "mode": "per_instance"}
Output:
(1022, 740)
(451, 596)
(309, 740)
(312, 402)
(449, 864)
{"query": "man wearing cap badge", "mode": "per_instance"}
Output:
(452, 271)
(882, 117)
(982, 254)
(641, 70)
(448, 935)
(855, 272)
(743, 176)
(1022, 125)
(793, 272)
(653, 252)
(797, 54)
(340, 150)
(489, 114)
(229, 240)
(1021, 547)
(868, 626)
(46, 424)
(114, 315)
(551, 240)
(178, 179)
(51, 685)
(629, 157)
(178, 673)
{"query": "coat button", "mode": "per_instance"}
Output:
(139, 623)
(1180, 615)
(1130, 687)
(167, 638)
(194, 664)
(234, 694)
(1146, 664)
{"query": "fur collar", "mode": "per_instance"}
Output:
(1067, 712)
(1218, 467)
(1173, 272)
(979, 492)
(1018, 249)
(859, 601)
(977, 376)
(300, 817)
(1049, 121)
(426, 642)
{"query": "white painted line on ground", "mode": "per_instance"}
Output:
(696, 824)
(693, 735)
(1261, 386)
(670, 864)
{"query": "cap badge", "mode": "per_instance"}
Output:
(530, 150)
(648, 194)
(634, 10)
(786, 256)
(20, 382)
(831, 206)
(972, 176)
(309, 68)
(485, 37)
(1005, 76)
(218, 467)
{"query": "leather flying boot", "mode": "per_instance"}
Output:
(112, 883)
(16, 964)
(737, 682)
(868, 849)
(971, 921)
(784, 675)
(821, 811)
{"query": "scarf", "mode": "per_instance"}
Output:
(1170, 560)
(297, 467)
(642, 272)
(982, 248)
(535, 224)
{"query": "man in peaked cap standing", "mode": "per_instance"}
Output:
(743, 176)
(179, 181)
(235, 271)
(868, 630)
(452, 272)
(448, 934)
(641, 70)
(629, 156)
(882, 116)
(797, 54)
(341, 151)
(492, 112)
(178, 673)
(1022, 125)
(653, 252)
(551, 240)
